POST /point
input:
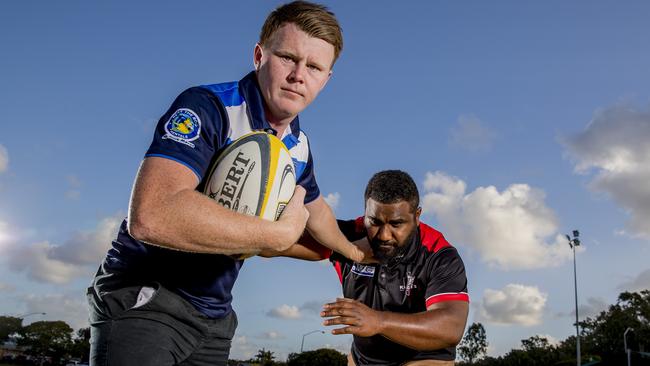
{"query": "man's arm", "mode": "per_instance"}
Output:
(306, 249)
(166, 210)
(323, 228)
(441, 326)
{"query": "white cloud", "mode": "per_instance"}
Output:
(551, 340)
(513, 305)
(639, 283)
(36, 262)
(6, 287)
(512, 229)
(70, 308)
(344, 348)
(4, 159)
(89, 247)
(242, 349)
(313, 306)
(332, 199)
(471, 134)
(47, 262)
(271, 335)
(616, 146)
(75, 183)
(592, 308)
(4, 232)
(285, 312)
(73, 194)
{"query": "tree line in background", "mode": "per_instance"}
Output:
(53, 341)
(601, 339)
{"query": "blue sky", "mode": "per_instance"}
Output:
(520, 121)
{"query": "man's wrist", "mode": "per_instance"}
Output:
(381, 320)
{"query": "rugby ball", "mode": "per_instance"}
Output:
(254, 175)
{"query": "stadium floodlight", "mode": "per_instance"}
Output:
(306, 334)
(573, 243)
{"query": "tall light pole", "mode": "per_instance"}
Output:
(627, 350)
(573, 243)
(306, 334)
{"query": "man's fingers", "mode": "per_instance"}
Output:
(344, 330)
(333, 312)
(345, 320)
(299, 194)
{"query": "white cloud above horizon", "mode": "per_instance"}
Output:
(333, 199)
(242, 348)
(512, 229)
(285, 312)
(4, 159)
(59, 264)
(515, 304)
(471, 134)
(639, 283)
(270, 335)
(71, 308)
(73, 193)
(615, 145)
(592, 308)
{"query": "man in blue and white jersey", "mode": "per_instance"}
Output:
(162, 295)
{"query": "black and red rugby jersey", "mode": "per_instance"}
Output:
(429, 271)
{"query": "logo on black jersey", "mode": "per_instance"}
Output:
(183, 126)
(410, 284)
(363, 270)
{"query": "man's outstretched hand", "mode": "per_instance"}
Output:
(358, 319)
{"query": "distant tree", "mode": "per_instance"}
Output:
(47, 338)
(319, 357)
(80, 347)
(603, 335)
(474, 344)
(264, 357)
(8, 326)
(540, 350)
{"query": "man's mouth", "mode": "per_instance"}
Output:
(290, 91)
(384, 247)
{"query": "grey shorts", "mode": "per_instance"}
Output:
(147, 326)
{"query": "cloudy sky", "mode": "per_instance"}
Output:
(519, 121)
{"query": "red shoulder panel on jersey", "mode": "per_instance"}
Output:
(339, 270)
(447, 296)
(432, 238)
(359, 227)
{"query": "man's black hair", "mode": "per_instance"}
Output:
(392, 186)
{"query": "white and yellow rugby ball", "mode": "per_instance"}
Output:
(254, 176)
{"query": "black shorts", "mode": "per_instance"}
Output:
(147, 326)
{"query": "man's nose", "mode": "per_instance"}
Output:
(384, 234)
(298, 73)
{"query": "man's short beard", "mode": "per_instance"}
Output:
(397, 253)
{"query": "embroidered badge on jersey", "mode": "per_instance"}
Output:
(363, 270)
(410, 284)
(183, 126)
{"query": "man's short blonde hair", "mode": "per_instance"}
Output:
(314, 19)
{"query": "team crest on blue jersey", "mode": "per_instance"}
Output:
(183, 126)
(363, 270)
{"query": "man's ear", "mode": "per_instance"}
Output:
(417, 215)
(258, 52)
